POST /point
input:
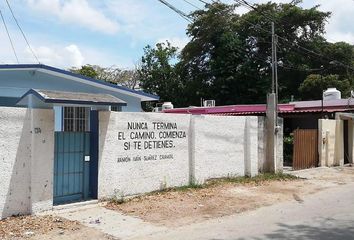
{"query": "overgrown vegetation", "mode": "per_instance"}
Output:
(288, 149)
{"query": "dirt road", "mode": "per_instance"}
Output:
(177, 208)
(325, 215)
(321, 201)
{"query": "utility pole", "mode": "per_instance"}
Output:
(272, 114)
(273, 66)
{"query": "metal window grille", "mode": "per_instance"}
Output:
(76, 119)
(116, 108)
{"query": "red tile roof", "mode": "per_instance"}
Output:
(339, 105)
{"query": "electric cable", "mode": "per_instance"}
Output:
(23, 34)
(179, 12)
(8, 35)
(193, 5)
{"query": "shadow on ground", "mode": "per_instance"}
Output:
(328, 228)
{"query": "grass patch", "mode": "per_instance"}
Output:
(260, 178)
(186, 188)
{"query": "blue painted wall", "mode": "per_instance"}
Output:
(14, 83)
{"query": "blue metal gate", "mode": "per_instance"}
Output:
(71, 167)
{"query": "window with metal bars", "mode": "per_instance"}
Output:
(116, 108)
(76, 119)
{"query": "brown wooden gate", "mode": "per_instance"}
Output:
(305, 154)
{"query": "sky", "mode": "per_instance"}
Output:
(71, 33)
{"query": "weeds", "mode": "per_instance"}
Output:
(261, 178)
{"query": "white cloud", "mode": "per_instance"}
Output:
(146, 21)
(58, 56)
(76, 12)
(130, 12)
(340, 25)
(76, 57)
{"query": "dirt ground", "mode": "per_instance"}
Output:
(46, 228)
(176, 208)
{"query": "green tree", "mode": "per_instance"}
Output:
(228, 56)
(314, 85)
(157, 73)
(115, 75)
(86, 70)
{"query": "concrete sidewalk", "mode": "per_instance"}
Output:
(110, 222)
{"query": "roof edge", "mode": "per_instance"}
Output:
(58, 70)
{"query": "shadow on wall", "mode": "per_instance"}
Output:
(17, 200)
(328, 228)
(103, 119)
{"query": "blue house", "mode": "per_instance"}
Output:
(19, 80)
(16, 80)
(76, 101)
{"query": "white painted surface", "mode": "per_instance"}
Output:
(26, 160)
(15, 158)
(118, 172)
(191, 148)
(42, 164)
(280, 145)
(214, 147)
(330, 142)
(219, 147)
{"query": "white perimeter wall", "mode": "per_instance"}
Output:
(26, 160)
(190, 149)
(118, 170)
(224, 146)
(330, 142)
(213, 147)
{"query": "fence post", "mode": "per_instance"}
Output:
(191, 149)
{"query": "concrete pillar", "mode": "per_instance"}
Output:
(42, 160)
(330, 144)
(191, 149)
(280, 143)
(261, 144)
(350, 140)
(339, 144)
(271, 136)
(251, 146)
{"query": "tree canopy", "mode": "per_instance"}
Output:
(124, 77)
(228, 57)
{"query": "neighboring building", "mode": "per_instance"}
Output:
(302, 119)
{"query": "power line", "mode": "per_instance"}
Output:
(206, 3)
(268, 31)
(250, 7)
(185, 16)
(23, 34)
(179, 12)
(288, 41)
(8, 35)
(192, 4)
